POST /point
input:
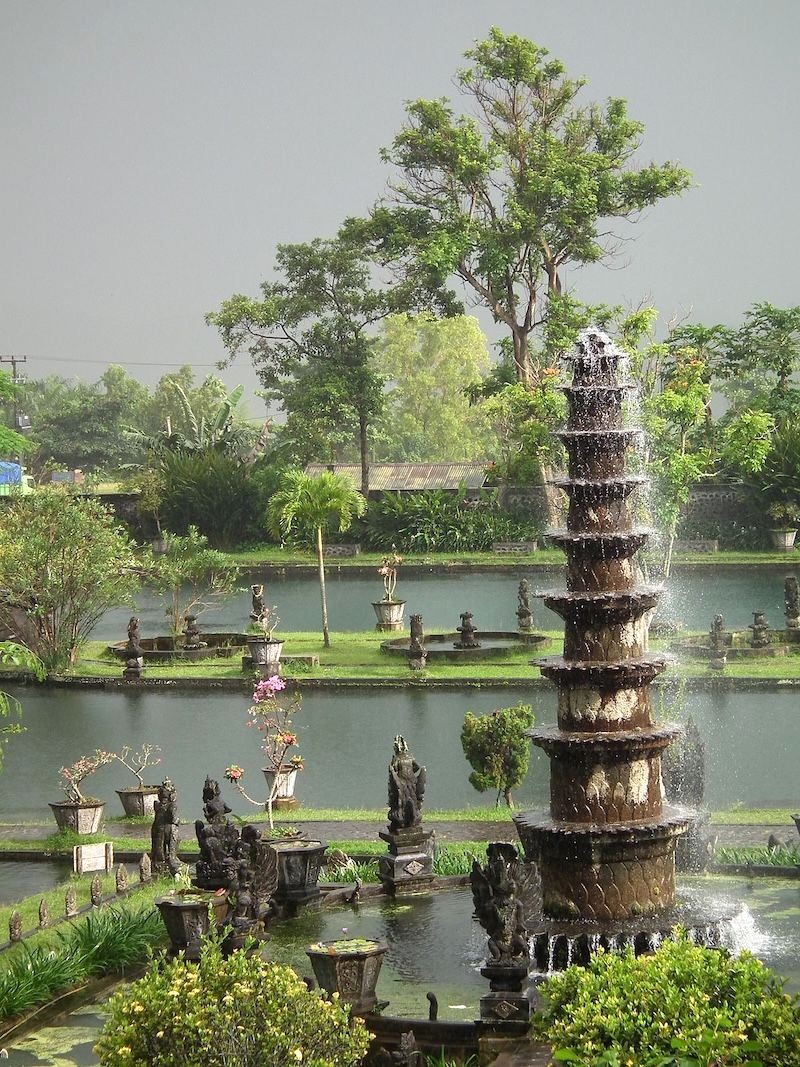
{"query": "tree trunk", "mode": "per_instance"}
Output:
(522, 359)
(326, 639)
(363, 446)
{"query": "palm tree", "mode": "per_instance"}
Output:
(307, 506)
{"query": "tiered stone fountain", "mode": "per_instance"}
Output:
(606, 848)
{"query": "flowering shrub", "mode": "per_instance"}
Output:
(240, 1009)
(137, 761)
(77, 772)
(273, 720)
(683, 1005)
(388, 571)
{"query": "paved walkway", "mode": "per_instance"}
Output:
(361, 830)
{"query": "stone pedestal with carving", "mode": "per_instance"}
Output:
(408, 865)
(507, 1008)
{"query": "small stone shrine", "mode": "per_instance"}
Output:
(760, 635)
(191, 633)
(496, 893)
(164, 831)
(467, 631)
(718, 644)
(134, 657)
(408, 866)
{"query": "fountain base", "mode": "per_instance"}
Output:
(557, 944)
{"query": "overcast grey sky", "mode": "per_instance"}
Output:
(156, 151)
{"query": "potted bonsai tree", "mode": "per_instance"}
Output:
(389, 609)
(265, 649)
(273, 720)
(784, 518)
(79, 813)
(138, 799)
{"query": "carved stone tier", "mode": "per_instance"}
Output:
(603, 872)
(600, 561)
(605, 777)
(599, 506)
(607, 626)
(603, 696)
(596, 454)
(600, 407)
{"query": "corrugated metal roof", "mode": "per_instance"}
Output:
(410, 477)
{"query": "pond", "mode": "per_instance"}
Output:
(752, 741)
(693, 597)
(435, 944)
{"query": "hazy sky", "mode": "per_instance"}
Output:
(155, 151)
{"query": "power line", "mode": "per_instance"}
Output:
(121, 362)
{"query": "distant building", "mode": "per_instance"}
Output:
(411, 477)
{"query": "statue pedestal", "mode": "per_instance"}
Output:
(408, 866)
(506, 1010)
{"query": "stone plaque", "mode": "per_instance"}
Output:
(98, 857)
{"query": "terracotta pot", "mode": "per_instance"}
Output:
(389, 614)
(138, 800)
(350, 972)
(82, 818)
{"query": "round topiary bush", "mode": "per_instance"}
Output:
(684, 1006)
(240, 1009)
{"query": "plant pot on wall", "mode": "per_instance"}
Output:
(389, 614)
(265, 654)
(349, 968)
(783, 539)
(284, 786)
(139, 800)
(81, 819)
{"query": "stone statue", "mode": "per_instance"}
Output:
(525, 620)
(191, 633)
(216, 837)
(417, 656)
(164, 831)
(716, 635)
(760, 631)
(467, 630)
(214, 807)
(134, 657)
(791, 599)
(406, 788)
(498, 907)
(258, 607)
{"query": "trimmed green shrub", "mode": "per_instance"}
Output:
(684, 1006)
(209, 490)
(497, 749)
(240, 1009)
(438, 521)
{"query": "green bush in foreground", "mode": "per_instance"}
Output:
(684, 1006)
(241, 1010)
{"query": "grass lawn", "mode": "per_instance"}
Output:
(359, 655)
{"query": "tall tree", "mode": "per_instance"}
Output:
(306, 507)
(429, 365)
(505, 200)
(316, 323)
(766, 349)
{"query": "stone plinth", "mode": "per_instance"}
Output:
(408, 866)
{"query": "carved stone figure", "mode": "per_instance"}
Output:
(525, 620)
(134, 657)
(191, 633)
(257, 603)
(791, 599)
(406, 788)
(760, 631)
(498, 907)
(417, 656)
(164, 831)
(716, 635)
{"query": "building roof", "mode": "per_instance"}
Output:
(409, 477)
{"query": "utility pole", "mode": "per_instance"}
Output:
(17, 379)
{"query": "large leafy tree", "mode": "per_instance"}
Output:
(311, 334)
(429, 365)
(763, 357)
(305, 508)
(64, 561)
(12, 444)
(505, 198)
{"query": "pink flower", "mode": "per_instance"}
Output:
(267, 688)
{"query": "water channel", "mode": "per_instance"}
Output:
(693, 596)
(752, 741)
